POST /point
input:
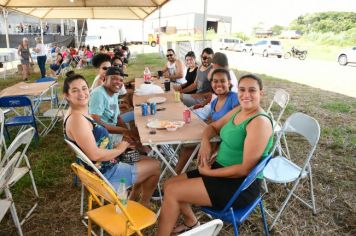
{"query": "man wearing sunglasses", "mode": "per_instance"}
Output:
(174, 69)
(201, 84)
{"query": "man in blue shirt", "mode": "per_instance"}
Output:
(104, 104)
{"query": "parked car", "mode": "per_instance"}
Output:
(347, 56)
(242, 47)
(247, 47)
(268, 48)
(228, 43)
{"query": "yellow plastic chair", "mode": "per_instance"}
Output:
(130, 220)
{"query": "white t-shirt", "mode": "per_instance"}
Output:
(42, 49)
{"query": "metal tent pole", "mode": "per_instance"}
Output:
(6, 13)
(204, 23)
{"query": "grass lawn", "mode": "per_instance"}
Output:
(333, 169)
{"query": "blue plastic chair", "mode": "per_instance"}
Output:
(18, 120)
(238, 216)
(45, 79)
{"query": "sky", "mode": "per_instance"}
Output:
(248, 13)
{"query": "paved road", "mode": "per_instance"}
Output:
(325, 75)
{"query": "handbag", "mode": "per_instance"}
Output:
(130, 156)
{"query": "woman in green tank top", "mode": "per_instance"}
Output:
(246, 134)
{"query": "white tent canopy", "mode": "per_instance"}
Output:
(84, 9)
(81, 9)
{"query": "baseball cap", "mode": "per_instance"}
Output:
(220, 59)
(113, 70)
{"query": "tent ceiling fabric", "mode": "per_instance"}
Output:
(83, 9)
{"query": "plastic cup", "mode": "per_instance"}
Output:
(167, 85)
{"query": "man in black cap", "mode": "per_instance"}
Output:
(104, 104)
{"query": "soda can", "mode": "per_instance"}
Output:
(153, 108)
(177, 96)
(144, 109)
(186, 116)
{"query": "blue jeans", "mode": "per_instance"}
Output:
(41, 61)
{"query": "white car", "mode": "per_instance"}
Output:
(347, 56)
(228, 43)
(267, 48)
(242, 47)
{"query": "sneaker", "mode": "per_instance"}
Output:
(156, 196)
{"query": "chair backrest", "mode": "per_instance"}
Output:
(281, 98)
(24, 138)
(250, 178)
(15, 101)
(80, 154)
(99, 188)
(7, 171)
(305, 126)
(45, 79)
(211, 228)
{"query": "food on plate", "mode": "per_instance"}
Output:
(171, 127)
(179, 124)
(164, 123)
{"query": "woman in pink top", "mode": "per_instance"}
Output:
(87, 57)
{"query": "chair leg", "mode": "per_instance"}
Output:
(7, 134)
(89, 227)
(285, 203)
(265, 185)
(264, 221)
(82, 201)
(33, 182)
(312, 189)
(13, 212)
(236, 232)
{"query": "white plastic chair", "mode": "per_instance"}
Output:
(283, 170)
(8, 203)
(24, 138)
(281, 99)
(275, 111)
(55, 114)
(212, 228)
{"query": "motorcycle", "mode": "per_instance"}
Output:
(296, 53)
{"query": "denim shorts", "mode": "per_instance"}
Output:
(122, 170)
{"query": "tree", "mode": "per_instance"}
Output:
(277, 29)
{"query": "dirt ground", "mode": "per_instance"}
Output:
(333, 174)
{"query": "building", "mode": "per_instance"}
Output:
(191, 23)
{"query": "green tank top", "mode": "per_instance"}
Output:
(233, 138)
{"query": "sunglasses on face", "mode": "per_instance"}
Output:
(169, 55)
(206, 58)
(117, 65)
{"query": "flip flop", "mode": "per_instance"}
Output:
(183, 228)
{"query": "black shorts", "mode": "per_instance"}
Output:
(221, 189)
